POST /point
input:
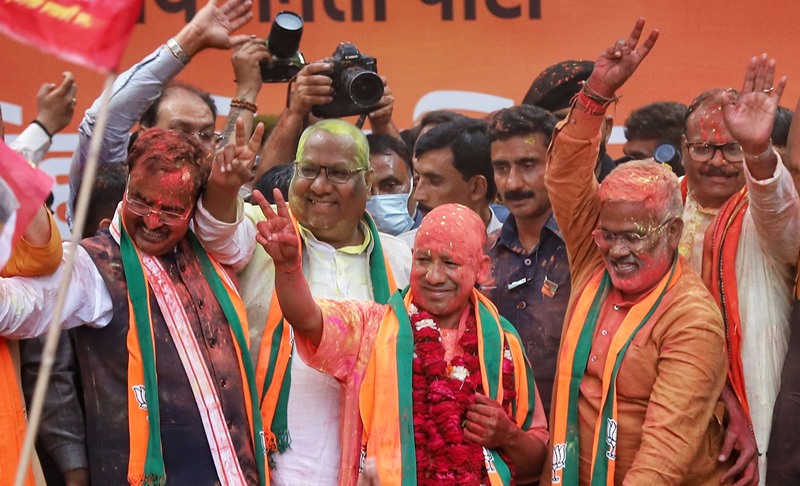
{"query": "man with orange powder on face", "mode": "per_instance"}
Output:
(642, 359)
(742, 231)
(446, 391)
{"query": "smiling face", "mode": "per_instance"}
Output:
(166, 172)
(715, 181)
(329, 210)
(161, 191)
(448, 261)
(637, 268)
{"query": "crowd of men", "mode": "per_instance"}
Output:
(467, 301)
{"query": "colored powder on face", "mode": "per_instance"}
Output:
(454, 227)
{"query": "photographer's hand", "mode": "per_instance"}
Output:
(311, 87)
(381, 119)
(213, 25)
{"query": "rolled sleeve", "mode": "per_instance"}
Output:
(27, 304)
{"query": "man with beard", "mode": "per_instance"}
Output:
(446, 393)
(642, 359)
(742, 216)
(530, 273)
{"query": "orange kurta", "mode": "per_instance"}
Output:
(671, 376)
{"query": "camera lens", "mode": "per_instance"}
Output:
(284, 36)
(364, 88)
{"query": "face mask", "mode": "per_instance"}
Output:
(390, 212)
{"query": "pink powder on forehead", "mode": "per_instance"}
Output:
(455, 228)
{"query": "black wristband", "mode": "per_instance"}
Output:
(41, 125)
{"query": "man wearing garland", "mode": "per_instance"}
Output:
(168, 384)
(642, 359)
(446, 392)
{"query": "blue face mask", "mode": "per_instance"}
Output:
(390, 212)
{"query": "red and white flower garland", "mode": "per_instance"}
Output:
(441, 396)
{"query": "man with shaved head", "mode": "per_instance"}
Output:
(642, 358)
(446, 391)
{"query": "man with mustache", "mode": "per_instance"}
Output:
(742, 231)
(642, 359)
(530, 272)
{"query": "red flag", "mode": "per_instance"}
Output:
(92, 33)
(23, 189)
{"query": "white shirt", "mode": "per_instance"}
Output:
(314, 397)
(766, 258)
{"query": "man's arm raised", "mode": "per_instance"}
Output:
(278, 237)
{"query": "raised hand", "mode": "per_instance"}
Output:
(750, 116)
(56, 104)
(617, 63)
(246, 67)
(381, 119)
(213, 25)
(233, 164)
(277, 234)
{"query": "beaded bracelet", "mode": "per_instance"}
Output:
(244, 104)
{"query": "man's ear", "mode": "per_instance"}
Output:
(674, 233)
(369, 176)
(478, 187)
(484, 270)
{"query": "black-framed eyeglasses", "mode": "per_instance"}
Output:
(634, 241)
(139, 208)
(337, 175)
(704, 151)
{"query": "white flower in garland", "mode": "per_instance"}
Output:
(422, 324)
(507, 354)
(412, 309)
(459, 373)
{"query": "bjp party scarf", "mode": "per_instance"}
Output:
(573, 358)
(273, 371)
(145, 274)
(387, 403)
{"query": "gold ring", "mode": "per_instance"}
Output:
(74, 101)
(771, 88)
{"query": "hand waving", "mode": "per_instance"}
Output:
(617, 63)
(277, 234)
(750, 116)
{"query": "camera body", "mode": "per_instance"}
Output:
(357, 88)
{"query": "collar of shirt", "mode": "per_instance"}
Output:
(509, 238)
(312, 240)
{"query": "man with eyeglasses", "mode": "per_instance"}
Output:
(313, 418)
(742, 216)
(148, 94)
(642, 359)
(167, 379)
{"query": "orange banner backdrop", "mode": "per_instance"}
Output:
(471, 55)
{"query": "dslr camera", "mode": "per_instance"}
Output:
(357, 88)
(284, 44)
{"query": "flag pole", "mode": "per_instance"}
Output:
(54, 331)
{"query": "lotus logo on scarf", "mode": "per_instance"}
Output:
(559, 461)
(489, 460)
(140, 394)
(611, 439)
